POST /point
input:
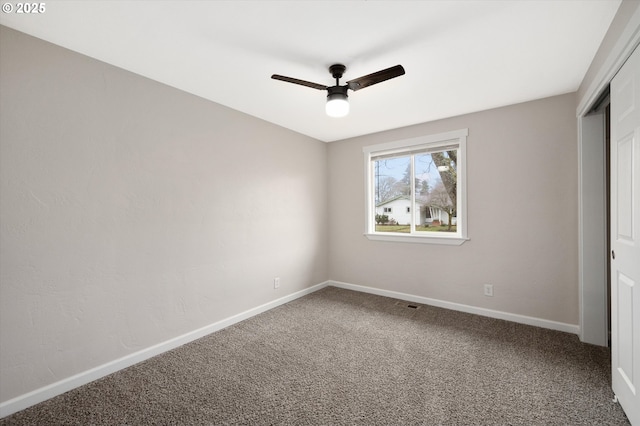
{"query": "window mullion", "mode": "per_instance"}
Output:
(412, 205)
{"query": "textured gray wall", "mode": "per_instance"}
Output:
(522, 213)
(133, 213)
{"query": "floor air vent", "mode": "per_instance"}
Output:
(407, 304)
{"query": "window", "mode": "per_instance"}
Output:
(424, 175)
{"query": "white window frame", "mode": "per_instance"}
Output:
(457, 137)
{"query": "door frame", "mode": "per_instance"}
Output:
(592, 220)
(593, 305)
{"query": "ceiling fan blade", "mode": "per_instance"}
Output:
(375, 78)
(301, 82)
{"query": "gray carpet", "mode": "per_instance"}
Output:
(338, 357)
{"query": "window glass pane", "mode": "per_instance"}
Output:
(436, 191)
(392, 194)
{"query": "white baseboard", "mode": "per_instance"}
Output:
(39, 395)
(522, 319)
(42, 394)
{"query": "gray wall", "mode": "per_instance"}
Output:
(133, 213)
(522, 210)
(614, 38)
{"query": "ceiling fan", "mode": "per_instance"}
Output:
(337, 103)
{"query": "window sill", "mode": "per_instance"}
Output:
(440, 240)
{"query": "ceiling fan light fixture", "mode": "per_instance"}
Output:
(337, 102)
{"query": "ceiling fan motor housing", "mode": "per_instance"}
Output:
(334, 92)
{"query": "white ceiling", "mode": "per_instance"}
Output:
(459, 56)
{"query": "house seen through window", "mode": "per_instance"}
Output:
(416, 189)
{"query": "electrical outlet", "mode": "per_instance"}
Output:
(276, 282)
(488, 290)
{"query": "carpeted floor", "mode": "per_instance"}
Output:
(338, 357)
